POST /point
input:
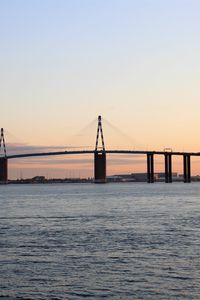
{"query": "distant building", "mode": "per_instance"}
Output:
(141, 177)
(120, 178)
(161, 176)
(38, 179)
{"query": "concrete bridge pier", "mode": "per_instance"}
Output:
(150, 168)
(3, 169)
(186, 168)
(168, 167)
(99, 167)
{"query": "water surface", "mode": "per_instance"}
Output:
(113, 241)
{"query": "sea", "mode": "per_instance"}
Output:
(100, 241)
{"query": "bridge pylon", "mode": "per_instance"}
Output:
(150, 168)
(3, 160)
(186, 168)
(99, 156)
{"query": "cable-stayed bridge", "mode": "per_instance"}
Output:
(100, 159)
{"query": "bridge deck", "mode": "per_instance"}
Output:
(93, 151)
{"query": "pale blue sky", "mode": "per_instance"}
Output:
(135, 62)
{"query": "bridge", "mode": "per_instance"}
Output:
(100, 159)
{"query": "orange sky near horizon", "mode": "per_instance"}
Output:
(83, 166)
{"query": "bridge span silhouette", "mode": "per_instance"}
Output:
(100, 159)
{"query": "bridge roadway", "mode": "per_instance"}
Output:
(100, 162)
(101, 151)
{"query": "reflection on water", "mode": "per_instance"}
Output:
(114, 241)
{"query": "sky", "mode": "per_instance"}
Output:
(64, 62)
